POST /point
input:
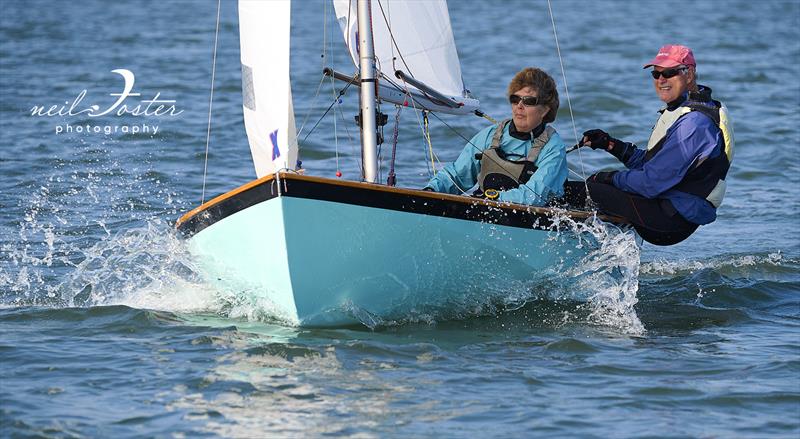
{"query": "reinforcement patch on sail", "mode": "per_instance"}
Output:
(248, 92)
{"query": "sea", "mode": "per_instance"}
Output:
(107, 328)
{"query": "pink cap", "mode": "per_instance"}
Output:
(672, 55)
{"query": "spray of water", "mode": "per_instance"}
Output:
(607, 278)
(64, 260)
(94, 233)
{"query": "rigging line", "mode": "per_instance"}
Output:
(566, 89)
(431, 175)
(341, 114)
(408, 98)
(423, 125)
(210, 102)
(405, 91)
(346, 130)
(341, 93)
(324, 61)
(487, 117)
(335, 131)
(428, 138)
(392, 180)
(423, 128)
(380, 153)
(575, 173)
(313, 104)
(426, 135)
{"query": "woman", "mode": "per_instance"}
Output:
(520, 160)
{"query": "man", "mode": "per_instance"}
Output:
(678, 182)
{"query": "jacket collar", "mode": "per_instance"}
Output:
(703, 94)
(512, 129)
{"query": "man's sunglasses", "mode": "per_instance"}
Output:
(667, 73)
(528, 101)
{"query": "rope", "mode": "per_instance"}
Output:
(427, 134)
(311, 108)
(392, 180)
(335, 100)
(566, 89)
(422, 124)
(324, 58)
(486, 116)
(210, 102)
(347, 130)
(335, 131)
(410, 99)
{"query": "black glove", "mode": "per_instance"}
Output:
(600, 139)
(603, 177)
(597, 139)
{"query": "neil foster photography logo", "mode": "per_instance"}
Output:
(122, 106)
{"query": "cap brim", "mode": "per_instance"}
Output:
(666, 63)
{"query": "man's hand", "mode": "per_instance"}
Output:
(596, 139)
(603, 177)
(599, 139)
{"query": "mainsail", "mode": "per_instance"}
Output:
(264, 35)
(414, 37)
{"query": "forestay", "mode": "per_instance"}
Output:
(264, 35)
(414, 37)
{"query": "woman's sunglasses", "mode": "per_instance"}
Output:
(667, 73)
(528, 101)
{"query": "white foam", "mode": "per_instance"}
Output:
(608, 277)
(665, 267)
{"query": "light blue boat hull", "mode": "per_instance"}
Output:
(325, 263)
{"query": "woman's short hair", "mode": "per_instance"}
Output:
(544, 85)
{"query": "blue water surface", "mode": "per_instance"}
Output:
(108, 331)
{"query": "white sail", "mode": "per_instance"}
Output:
(414, 37)
(264, 33)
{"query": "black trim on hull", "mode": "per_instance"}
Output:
(367, 195)
(227, 207)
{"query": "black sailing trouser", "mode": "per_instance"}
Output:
(656, 220)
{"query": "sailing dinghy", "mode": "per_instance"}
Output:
(328, 252)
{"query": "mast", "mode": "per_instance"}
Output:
(366, 53)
